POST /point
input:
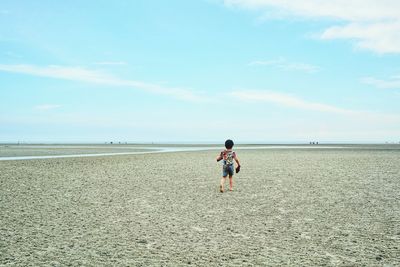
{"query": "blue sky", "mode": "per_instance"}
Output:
(200, 71)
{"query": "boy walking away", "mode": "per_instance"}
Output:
(228, 156)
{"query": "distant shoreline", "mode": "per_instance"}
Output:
(197, 143)
(36, 151)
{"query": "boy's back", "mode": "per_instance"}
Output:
(228, 156)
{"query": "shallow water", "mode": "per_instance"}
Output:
(138, 150)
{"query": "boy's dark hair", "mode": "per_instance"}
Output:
(229, 144)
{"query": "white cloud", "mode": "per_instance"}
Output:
(361, 118)
(287, 101)
(46, 107)
(373, 24)
(354, 10)
(91, 76)
(383, 37)
(391, 83)
(283, 64)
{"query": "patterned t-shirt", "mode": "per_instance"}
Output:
(228, 156)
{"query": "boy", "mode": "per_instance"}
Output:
(228, 155)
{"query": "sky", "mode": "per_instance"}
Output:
(256, 71)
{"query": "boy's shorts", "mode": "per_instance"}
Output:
(228, 169)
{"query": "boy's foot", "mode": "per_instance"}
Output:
(221, 189)
(231, 189)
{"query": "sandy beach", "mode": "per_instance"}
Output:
(308, 207)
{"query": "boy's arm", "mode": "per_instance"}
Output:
(237, 160)
(219, 157)
(238, 164)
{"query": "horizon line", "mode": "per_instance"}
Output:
(311, 142)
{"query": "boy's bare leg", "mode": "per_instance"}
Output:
(221, 186)
(230, 183)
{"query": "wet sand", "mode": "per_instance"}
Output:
(53, 150)
(290, 207)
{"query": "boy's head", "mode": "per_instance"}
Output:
(229, 144)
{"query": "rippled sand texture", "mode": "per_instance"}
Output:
(289, 207)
